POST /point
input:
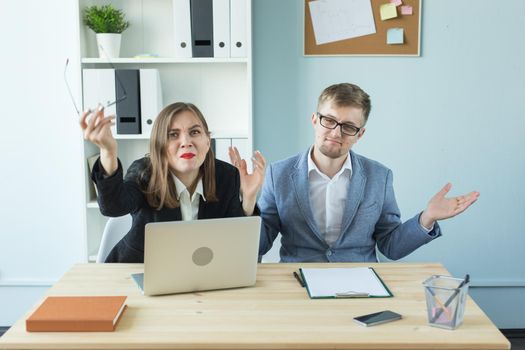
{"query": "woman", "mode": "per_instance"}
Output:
(179, 180)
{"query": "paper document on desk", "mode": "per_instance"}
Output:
(344, 283)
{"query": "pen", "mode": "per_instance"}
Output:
(451, 298)
(443, 307)
(298, 278)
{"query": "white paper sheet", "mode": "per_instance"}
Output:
(335, 20)
(326, 283)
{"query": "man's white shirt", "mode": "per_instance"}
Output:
(328, 198)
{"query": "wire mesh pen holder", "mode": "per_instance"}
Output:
(446, 297)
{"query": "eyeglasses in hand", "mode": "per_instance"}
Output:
(108, 103)
(331, 123)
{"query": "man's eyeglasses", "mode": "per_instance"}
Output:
(108, 103)
(331, 123)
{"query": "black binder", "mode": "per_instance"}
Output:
(213, 146)
(202, 27)
(128, 108)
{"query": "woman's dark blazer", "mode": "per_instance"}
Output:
(119, 196)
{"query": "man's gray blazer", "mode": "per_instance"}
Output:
(371, 215)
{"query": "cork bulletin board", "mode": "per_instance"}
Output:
(370, 44)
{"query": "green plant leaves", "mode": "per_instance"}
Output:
(105, 19)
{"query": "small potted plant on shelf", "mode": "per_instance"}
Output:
(108, 23)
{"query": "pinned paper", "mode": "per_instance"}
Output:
(394, 36)
(406, 10)
(396, 2)
(388, 11)
(341, 19)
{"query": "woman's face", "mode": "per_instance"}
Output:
(188, 145)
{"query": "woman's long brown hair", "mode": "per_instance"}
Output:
(161, 191)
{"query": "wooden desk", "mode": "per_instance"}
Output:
(275, 314)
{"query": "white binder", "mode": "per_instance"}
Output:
(221, 28)
(238, 28)
(99, 87)
(221, 149)
(182, 28)
(150, 99)
(244, 148)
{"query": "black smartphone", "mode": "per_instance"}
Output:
(377, 318)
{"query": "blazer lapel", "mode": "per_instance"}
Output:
(167, 214)
(356, 190)
(300, 184)
(203, 210)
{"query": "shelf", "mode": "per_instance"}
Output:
(157, 60)
(132, 137)
(216, 135)
(227, 135)
(221, 87)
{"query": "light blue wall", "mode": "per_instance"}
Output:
(454, 114)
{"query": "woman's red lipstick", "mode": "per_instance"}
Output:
(187, 155)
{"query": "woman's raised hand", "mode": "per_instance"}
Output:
(97, 130)
(250, 183)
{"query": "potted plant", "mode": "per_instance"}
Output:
(108, 23)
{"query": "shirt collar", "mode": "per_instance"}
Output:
(181, 188)
(312, 167)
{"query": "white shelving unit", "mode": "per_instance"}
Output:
(153, 60)
(220, 87)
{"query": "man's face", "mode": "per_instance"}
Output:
(333, 143)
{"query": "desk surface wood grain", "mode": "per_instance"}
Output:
(274, 314)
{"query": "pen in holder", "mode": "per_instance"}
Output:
(446, 297)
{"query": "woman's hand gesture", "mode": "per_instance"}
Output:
(250, 183)
(97, 130)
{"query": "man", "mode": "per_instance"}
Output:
(331, 204)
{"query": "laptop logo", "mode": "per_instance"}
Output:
(202, 256)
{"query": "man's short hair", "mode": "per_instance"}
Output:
(346, 95)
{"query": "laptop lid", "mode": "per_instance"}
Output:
(188, 256)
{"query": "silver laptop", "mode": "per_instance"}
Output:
(188, 256)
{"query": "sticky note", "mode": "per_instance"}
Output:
(406, 10)
(388, 11)
(394, 36)
(396, 2)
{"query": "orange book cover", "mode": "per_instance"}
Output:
(77, 314)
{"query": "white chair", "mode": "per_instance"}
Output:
(273, 256)
(115, 229)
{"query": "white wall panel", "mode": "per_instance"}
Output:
(41, 206)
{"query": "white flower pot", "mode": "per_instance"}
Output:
(108, 45)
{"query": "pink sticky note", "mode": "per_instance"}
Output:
(406, 10)
(396, 2)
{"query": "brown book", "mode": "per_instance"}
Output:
(77, 314)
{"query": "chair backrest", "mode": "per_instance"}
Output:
(273, 255)
(115, 229)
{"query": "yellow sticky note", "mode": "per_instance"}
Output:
(388, 11)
